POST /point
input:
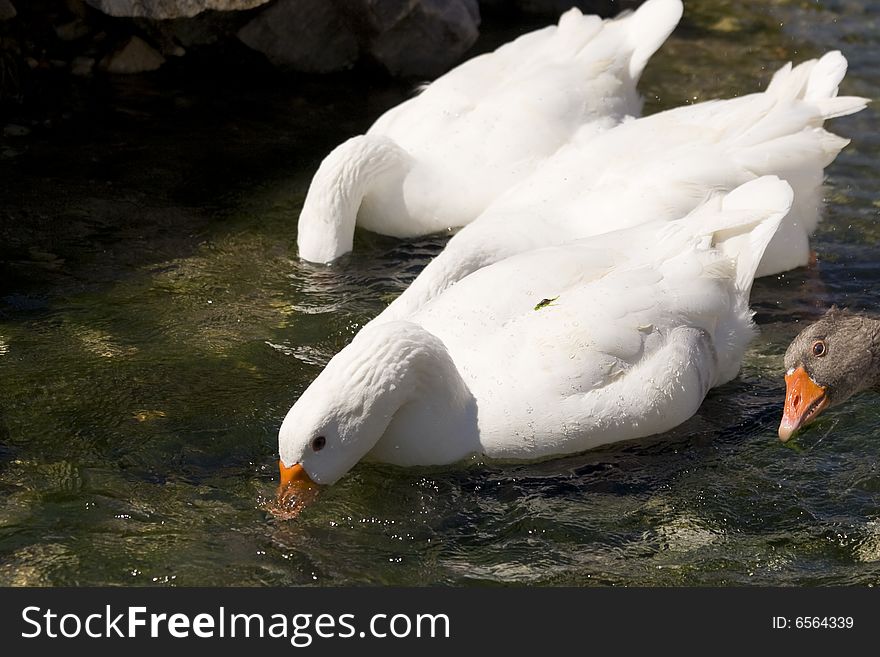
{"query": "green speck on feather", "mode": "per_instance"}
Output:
(543, 303)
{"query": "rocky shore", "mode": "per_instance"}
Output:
(416, 39)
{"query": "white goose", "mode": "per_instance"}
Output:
(437, 160)
(549, 352)
(662, 166)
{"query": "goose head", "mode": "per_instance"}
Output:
(826, 364)
(347, 408)
(363, 390)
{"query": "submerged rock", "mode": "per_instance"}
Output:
(164, 9)
(75, 29)
(7, 10)
(82, 66)
(13, 130)
(135, 56)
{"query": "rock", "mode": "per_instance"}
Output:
(164, 9)
(410, 38)
(202, 30)
(421, 38)
(77, 8)
(82, 66)
(7, 10)
(14, 130)
(13, 69)
(75, 29)
(312, 36)
(136, 56)
(162, 38)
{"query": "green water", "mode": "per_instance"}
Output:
(156, 325)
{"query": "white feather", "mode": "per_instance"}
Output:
(551, 351)
(481, 128)
(661, 167)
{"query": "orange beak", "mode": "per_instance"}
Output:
(295, 490)
(804, 400)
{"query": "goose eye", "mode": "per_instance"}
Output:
(318, 443)
(819, 348)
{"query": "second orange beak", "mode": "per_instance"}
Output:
(294, 480)
(804, 400)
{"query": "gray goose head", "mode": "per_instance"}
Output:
(826, 364)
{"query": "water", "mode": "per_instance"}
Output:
(155, 326)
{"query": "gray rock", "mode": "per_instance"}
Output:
(421, 38)
(77, 8)
(82, 66)
(410, 38)
(7, 10)
(191, 32)
(75, 29)
(161, 37)
(164, 9)
(136, 56)
(13, 130)
(202, 30)
(312, 36)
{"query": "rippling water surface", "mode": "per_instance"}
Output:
(155, 326)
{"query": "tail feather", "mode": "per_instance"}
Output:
(575, 31)
(740, 224)
(816, 81)
(649, 27)
(789, 141)
(825, 76)
(800, 159)
(765, 201)
(831, 108)
(814, 148)
(633, 35)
